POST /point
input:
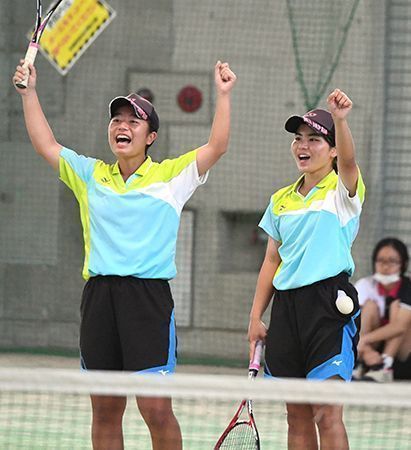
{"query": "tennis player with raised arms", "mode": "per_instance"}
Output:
(311, 225)
(130, 213)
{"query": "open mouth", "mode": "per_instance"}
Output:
(303, 157)
(122, 138)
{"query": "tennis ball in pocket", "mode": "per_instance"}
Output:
(344, 303)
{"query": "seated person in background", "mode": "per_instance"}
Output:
(385, 299)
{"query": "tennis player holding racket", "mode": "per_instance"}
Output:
(130, 213)
(311, 225)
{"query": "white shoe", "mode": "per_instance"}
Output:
(380, 375)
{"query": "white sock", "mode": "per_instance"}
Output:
(387, 361)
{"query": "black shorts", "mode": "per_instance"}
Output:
(308, 336)
(127, 323)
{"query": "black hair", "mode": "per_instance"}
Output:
(398, 246)
(150, 130)
(335, 165)
(331, 142)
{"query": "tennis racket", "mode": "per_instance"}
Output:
(39, 27)
(242, 434)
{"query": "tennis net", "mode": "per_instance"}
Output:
(50, 408)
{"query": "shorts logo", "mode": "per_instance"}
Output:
(337, 363)
(163, 372)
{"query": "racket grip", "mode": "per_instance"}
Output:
(255, 362)
(28, 59)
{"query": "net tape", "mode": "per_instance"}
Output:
(225, 387)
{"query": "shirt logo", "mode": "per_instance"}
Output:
(105, 180)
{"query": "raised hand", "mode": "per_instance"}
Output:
(19, 75)
(224, 77)
(339, 104)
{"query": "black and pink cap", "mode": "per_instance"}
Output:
(143, 108)
(319, 120)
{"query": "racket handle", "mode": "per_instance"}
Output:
(255, 362)
(28, 59)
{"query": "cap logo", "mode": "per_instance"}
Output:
(310, 114)
(315, 125)
(141, 113)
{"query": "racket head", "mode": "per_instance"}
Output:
(43, 21)
(241, 435)
(39, 26)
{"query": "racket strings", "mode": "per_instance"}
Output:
(241, 437)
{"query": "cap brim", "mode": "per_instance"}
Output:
(293, 123)
(116, 103)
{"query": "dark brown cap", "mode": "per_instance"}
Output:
(143, 108)
(319, 120)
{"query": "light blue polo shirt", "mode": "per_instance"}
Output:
(130, 228)
(315, 232)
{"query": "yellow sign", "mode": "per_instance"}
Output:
(72, 28)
